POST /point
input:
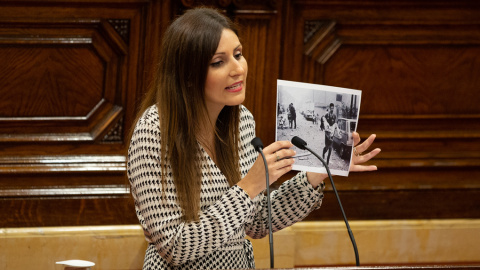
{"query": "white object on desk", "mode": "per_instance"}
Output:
(76, 264)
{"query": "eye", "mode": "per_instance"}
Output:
(216, 64)
(238, 55)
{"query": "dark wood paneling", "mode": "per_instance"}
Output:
(65, 79)
(261, 39)
(73, 74)
(67, 210)
(408, 189)
(417, 65)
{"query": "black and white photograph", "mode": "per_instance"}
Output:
(324, 117)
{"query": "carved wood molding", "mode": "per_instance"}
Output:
(235, 6)
(70, 192)
(57, 176)
(74, 72)
(78, 96)
(116, 133)
(122, 26)
(322, 40)
(74, 164)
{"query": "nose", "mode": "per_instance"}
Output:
(237, 68)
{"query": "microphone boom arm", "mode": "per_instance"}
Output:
(258, 145)
(350, 233)
(269, 210)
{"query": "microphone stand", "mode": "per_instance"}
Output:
(303, 145)
(257, 143)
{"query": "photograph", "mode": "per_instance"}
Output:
(324, 117)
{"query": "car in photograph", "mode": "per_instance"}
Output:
(342, 138)
(309, 115)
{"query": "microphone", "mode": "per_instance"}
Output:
(298, 142)
(258, 145)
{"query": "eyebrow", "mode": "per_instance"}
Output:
(236, 48)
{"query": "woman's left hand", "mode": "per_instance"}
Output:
(358, 158)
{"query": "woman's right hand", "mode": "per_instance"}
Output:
(278, 156)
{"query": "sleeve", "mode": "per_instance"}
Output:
(161, 216)
(292, 202)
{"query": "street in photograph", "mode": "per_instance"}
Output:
(323, 116)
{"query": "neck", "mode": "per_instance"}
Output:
(206, 131)
(213, 112)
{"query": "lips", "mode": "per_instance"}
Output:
(236, 87)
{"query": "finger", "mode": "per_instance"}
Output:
(274, 147)
(363, 168)
(283, 153)
(283, 163)
(273, 167)
(366, 157)
(366, 144)
(356, 138)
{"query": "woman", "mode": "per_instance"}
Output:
(195, 178)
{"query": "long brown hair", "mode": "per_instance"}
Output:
(178, 91)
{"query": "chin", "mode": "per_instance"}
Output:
(240, 99)
(236, 102)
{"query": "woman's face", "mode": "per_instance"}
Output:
(227, 74)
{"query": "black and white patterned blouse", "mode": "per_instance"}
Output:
(217, 240)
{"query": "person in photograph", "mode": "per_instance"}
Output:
(293, 116)
(328, 124)
(281, 122)
(196, 180)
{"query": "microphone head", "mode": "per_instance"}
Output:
(257, 144)
(299, 142)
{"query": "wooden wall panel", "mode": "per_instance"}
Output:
(72, 75)
(425, 74)
(417, 65)
(260, 37)
(59, 90)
